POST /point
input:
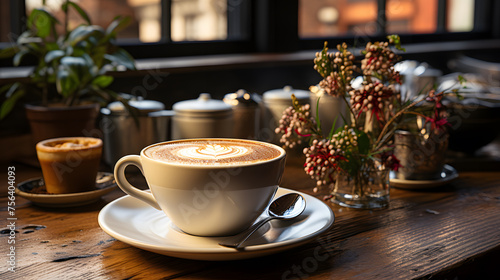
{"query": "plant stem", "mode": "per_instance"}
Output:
(386, 126)
(350, 110)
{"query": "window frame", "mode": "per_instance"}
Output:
(270, 28)
(486, 26)
(169, 48)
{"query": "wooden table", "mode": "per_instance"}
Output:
(452, 232)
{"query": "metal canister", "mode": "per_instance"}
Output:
(246, 113)
(125, 134)
(202, 118)
(422, 156)
(424, 79)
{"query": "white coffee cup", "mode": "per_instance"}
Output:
(207, 197)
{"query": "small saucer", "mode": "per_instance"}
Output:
(105, 182)
(134, 222)
(447, 175)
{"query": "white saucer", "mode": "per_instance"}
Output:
(136, 223)
(447, 175)
(105, 183)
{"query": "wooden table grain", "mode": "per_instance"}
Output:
(450, 232)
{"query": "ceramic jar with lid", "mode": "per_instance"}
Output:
(123, 134)
(274, 102)
(424, 79)
(246, 113)
(418, 78)
(202, 118)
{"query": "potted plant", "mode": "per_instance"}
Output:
(70, 78)
(354, 160)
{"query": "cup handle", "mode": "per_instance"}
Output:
(123, 183)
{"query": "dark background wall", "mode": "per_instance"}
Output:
(171, 87)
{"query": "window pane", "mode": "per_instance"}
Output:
(324, 18)
(199, 20)
(410, 16)
(460, 15)
(145, 15)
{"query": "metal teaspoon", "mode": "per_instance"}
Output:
(285, 207)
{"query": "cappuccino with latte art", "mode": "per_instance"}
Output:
(212, 152)
(207, 187)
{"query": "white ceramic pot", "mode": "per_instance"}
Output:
(331, 109)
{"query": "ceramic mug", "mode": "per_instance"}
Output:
(206, 198)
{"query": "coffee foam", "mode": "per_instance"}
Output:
(58, 149)
(213, 152)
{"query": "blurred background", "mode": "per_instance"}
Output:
(205, 20)
(187, 47)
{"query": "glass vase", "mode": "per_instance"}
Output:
(367, 189)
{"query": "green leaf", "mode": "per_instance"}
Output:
(6, 87)
(19, 56)
(77, 65)
(122, 57)
(79, 9)
(73, 72)
(343, 118)
(118, 24)
(55, 54)
(332, 130)
(51, 46)
(43, 27)
(8, 52)
(394, 39)
(318, 121)
(42, 22)
(98, 54)
(102, 81)
(66, 83)
(28, 37)
(13, 94)
(82, 33)
(363, 143)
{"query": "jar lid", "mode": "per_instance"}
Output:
(285, 94)
(204, 104)
(425, 70)
(144, 106)
(242, 98)
(317, 90)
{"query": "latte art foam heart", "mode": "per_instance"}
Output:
(213, 152)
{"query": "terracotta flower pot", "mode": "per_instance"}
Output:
(54, 122)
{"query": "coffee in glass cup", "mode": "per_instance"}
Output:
(207, 187)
